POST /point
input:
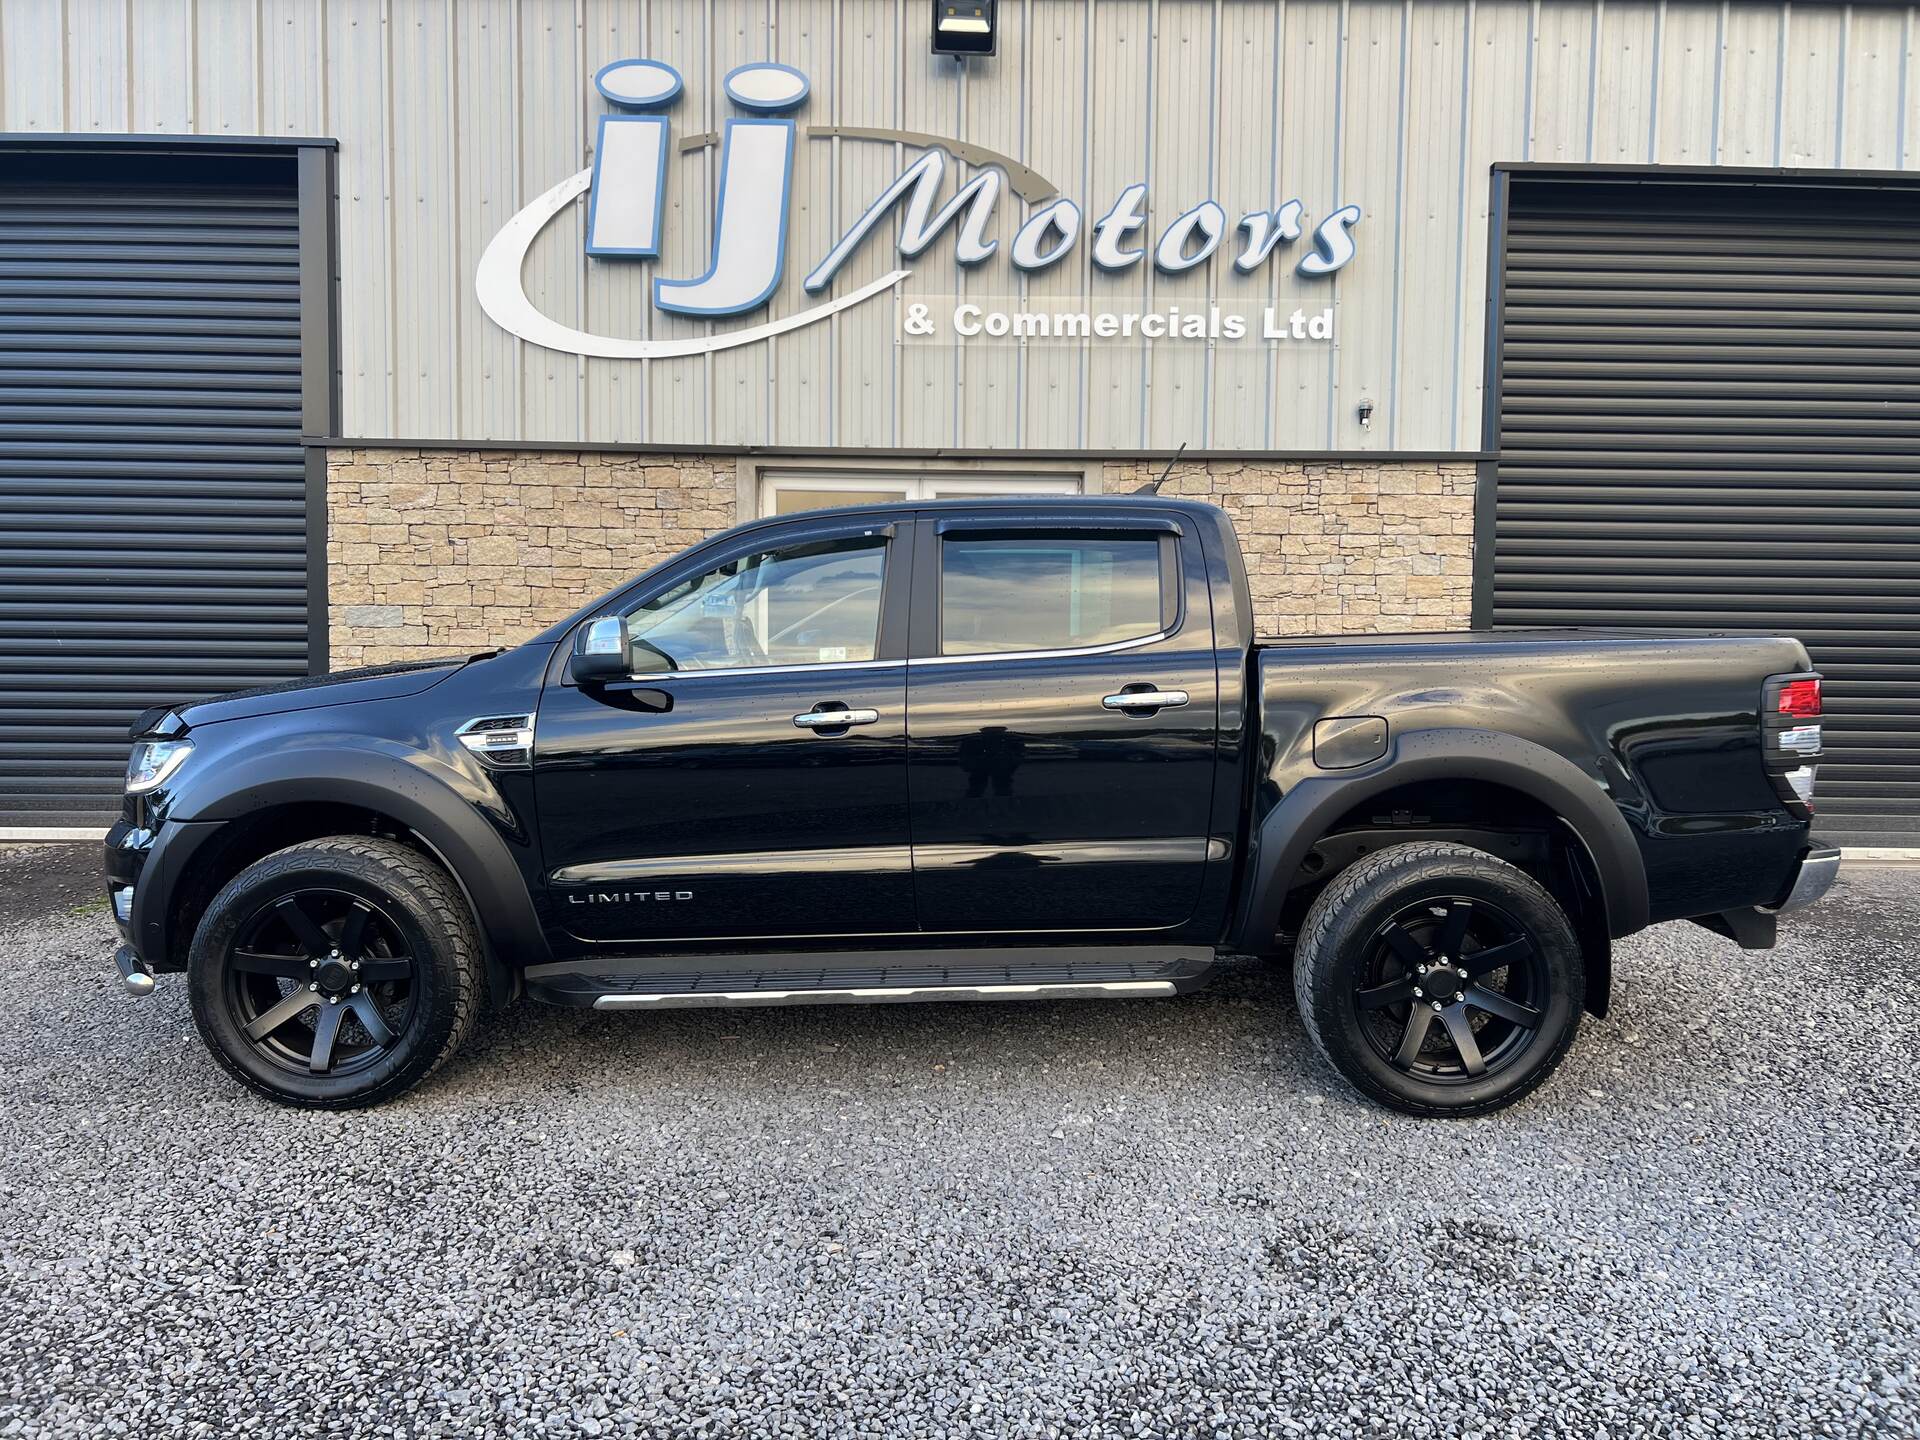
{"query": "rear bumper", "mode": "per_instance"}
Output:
(1812, 878)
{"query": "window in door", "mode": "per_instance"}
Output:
(810, 603)
(788, 493)
(1047, 593)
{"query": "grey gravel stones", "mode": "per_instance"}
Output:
(1151, 1219)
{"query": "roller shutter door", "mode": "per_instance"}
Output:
(153, 515)
(1709, 416)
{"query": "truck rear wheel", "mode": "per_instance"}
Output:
(336, 973)
(1438, 979)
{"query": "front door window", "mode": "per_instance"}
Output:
(812, 603)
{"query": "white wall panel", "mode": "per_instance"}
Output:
(486, 187)
(226, 67)
(1750, 85)
(1372, 118)
(1812, 79)
(1310, 134)
(993, 113)
(453, 114)
(1499, 113)
(160, 88)
(99, 87)
(800, 390)
(1431, 233)
(1563, 83)
(357, 81)
(553, 145)
(738, 393)
(1688, 85)
(426, 334)
(928, 395)
(1183, 171)
(1623, 79)
(1057, 65)
(292, 60)
(1871, 99)
(868, 377)
(681, 33)
(1120, 110)
(1249, 175)
(33, 76)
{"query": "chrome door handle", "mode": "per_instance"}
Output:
(834, 719)
(1145, 700)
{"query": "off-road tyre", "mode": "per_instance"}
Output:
(1358, 977)
(306, 923)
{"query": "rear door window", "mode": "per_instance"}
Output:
(1007, 594)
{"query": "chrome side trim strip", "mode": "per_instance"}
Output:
(740, 999)
(1114, 648)
(758, 864)
(1168, 850)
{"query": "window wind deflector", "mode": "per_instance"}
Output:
(997, 527)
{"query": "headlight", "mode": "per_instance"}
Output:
(153, 762)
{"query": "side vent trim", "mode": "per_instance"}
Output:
(503, 741)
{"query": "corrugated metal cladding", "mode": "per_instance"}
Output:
(450, 116)
(1709, 416)
(152, 492)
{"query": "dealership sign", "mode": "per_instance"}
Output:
(626, 188)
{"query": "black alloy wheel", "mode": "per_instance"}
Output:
(1451, 989)
(1438, 979)
(321, 981)
(337, 972)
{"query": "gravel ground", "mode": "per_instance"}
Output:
(1115, 1219)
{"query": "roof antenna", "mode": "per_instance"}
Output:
(1152, 487)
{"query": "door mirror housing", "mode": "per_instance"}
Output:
(601, 651)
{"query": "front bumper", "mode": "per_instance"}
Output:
(143, 868)
(1812, 879)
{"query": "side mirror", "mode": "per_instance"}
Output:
(601, 651)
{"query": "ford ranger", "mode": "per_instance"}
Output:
(971, 750)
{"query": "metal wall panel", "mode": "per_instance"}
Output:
(161, 89)
(226, 72)
(451, 114)
(149, 437)
(1246, 162)
(1709, 411)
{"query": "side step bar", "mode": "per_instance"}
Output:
(865, 977)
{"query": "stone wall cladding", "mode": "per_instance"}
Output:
(442, 551)
(439, 552)
(1340, 548)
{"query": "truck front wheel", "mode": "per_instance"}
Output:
(336, 973)
(1439, 980)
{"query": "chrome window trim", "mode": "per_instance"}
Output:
(1112, 648)
(809, 668)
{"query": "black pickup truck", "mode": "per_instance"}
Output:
(967, 750)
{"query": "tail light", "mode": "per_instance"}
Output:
(1790, 733)
(1799, 698)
